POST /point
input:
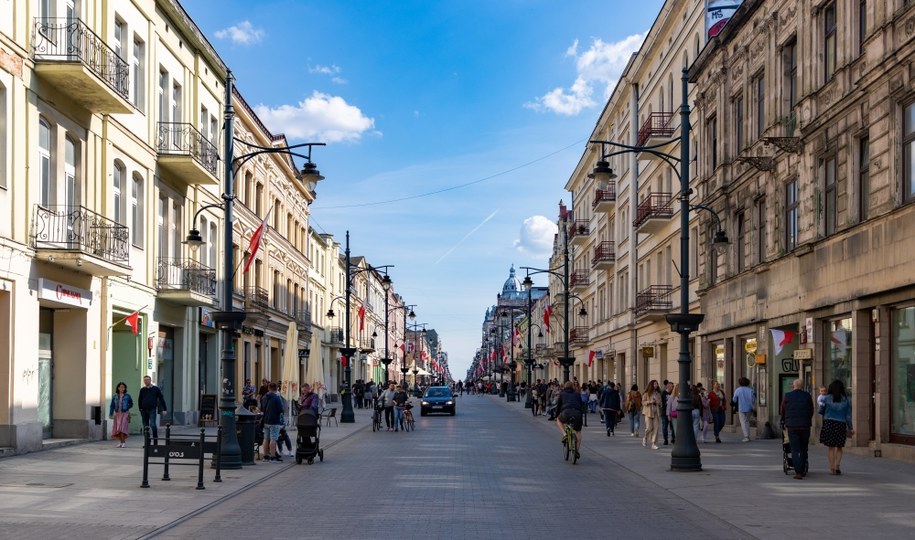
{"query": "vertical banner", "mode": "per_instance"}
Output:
(717, 14)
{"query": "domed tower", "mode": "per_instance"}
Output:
(512, 289)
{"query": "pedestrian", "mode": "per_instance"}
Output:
(836, 411)
(387, 402)
(400, 401)
(716, 403)
(358, 393)
(633, 409)
(119, 412)
(672, 411)
(592, 396)
(744, 398)
(283, 440)
(273, 413)
(666, 387)
(651, 404)
(247, 393)
(611, 407)
(705, 414)
(796, 412)
(309, 401)
(150, 401)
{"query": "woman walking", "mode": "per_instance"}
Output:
(118, 411)
(836, 411)
(672, 412)
(651, 409)
(634, 408)
(717, 400)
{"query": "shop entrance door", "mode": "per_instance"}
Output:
(45, 370)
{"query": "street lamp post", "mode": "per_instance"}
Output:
(229, 321)
(407, 312)
(685, 454)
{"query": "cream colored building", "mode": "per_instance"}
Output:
(810, 107)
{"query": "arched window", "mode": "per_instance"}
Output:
(44, 162)
(70, 184)
(137, 209)
(118, 174)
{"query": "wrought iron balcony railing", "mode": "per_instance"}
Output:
(604, 195)
(579, 227)
(654, 298)
(604, 252)
(335, 335)
(655, 205)
(76, 228)
(303, 320)
(656, 125)
(179, 138)
(579, 278)
(186, 275)
(579, 335)
(257, 300)
(71, 40)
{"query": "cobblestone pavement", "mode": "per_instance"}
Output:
(493, 470)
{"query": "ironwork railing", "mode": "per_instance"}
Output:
(579, 278)
(579, 335)
(604, 195)
(579, 227)
(303, 320)
(76, 228)
(656, 125)
(257, 299)
(655, 205)
(186, 275)
(335, 335)
(71, 40)
(654, 298)
(179, 138)
(604, 252)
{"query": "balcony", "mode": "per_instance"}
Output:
(579, 231)
(656, 126)
(604, 255)
(604, 199)
(186, 282)
(654, 302)
(335, 337)
(75, 61)
(653, 213)
(578, 336)
(579, 281)
(257, 305)
(76, 237)
(303, 324)
(187, 154)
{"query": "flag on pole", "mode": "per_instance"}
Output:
(591, 355)
(361, 318)
(780, 338)
(547, 313)
(255, 242)
(134, 321)
(516, 336)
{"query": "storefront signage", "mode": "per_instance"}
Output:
(718, 13)
(648, 352)
(803, 354)
(750, 345)
(206, 318)
(64, 294)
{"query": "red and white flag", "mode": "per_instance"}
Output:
(780, 338)
(255, 242)
(591, 355)
(547, 313)
(516, 336)
(361, 318)
(134, 321)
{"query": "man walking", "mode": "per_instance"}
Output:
(150, 400)
(665, 419)
(744, 398)
(797, 417)
(273, 411)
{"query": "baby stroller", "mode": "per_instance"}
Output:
(787, 461)
(307, 442)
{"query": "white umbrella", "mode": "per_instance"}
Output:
(314, 372)
(291, 367)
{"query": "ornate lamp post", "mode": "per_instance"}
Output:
(407, 312)
(228, 320)
(685, 454)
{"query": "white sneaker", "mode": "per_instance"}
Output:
(643, 442)
(746, 439)
(654, 447)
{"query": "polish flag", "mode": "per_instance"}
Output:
(134, 321)
(547, 313)
(255, 243)
(516, 336)
(780, 338)
(361, 318)
(591, 355)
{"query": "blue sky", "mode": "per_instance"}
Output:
(451, 126)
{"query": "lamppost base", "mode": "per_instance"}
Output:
(347, 415)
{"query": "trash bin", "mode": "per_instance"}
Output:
(244, 428)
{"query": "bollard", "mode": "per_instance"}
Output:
(145, 483)
(168, 435)
(218, 455)
(200, 460)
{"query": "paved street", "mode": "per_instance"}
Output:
(493, 470)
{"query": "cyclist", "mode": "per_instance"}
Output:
(569, 405)
(400, 400)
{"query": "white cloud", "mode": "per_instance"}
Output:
(598, 67)
(333, 71)
(321, 116)
(242, 33)
(536, 239)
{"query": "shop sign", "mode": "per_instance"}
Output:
(648, 352)
(206, 318)
(64, 294)
(803, 354)
(750, 345)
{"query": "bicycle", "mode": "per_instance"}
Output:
(570, 443)
(376, 417)
(408, 423)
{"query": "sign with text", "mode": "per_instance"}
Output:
(717, 14)
(64, 294)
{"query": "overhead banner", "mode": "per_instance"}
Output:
(717, 14)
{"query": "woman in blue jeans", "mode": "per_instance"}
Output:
(400, 399)
(634, 408)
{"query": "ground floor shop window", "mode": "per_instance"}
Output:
(903, 374)
(838, 352)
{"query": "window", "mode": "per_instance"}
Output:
(70, 195)
(902, 375)
(738, 123)
(830, 198)
(791, 209)
(3, 137)
(163, 96)
(162, 220)
(864, 182)
(741, 242)
(212, 245)
(176, 102)
(138, 78)
(136, 209)
(694, 252)
(713, 141)
(759, 95)
(789, 59)
(838, 357)
(44, 162)
(761, 230)
(118, 174)
(862, 25)
(118, 43)
(908, 144)
(829, 42)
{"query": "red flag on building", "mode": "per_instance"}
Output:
(547, 313)
(134, 321)
(591, 355)
(255, 243)
(516, 336)
(361, 318)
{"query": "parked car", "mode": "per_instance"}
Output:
(437, 399)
